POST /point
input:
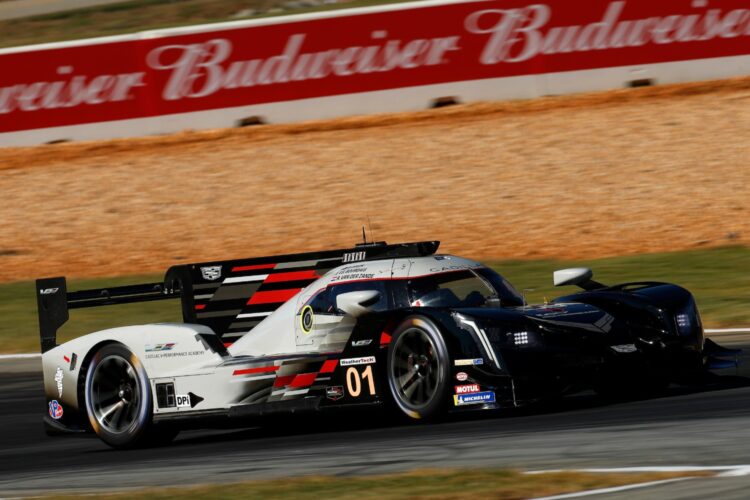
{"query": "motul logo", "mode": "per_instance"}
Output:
(466, 389)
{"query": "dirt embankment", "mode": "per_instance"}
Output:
(622, 172)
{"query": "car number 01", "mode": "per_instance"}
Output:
(354, 381)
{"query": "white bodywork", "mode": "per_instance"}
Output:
(175, 352)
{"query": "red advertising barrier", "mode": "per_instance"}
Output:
(231, 65)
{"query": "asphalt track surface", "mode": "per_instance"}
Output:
(707, 425)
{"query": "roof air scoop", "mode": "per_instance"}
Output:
(580, 276)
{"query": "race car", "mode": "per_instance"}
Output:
(379, 325)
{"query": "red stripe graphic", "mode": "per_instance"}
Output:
(260, 369)
(303, 380)
(252, 268)
(200, 307)
(283, 380)
(228, 344)
(329, 366)
(292, 276)
(385, 338)
(67, 359)
(273, 296)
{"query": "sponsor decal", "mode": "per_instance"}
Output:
(353, 257)
(474, 398)
(48, 291)
(361, 343)
(469, 362)
(211, 273)
(345, 54)
(183, 401)
(307, 319)
(181, 354)
(468, 388)
(624, 348)
(160, 347)
(335, 392)
(59, 380)
(367, 360)
(355, 272)
(55, 410)
(461, 376)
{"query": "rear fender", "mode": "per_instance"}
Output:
(163, 349)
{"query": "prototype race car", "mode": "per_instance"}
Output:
(371, 325)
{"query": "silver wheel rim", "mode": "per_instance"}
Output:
(415, 368)
(115, 394)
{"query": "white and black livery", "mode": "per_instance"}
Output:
(374, 325)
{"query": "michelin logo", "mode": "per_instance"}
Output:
(475, 398)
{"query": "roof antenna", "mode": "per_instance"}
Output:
(364, 236)
(372, 236)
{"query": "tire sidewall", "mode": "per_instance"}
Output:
(437, 404)
(138, 430)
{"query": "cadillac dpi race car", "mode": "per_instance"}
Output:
(377, 324)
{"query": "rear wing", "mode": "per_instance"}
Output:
(54, 301)
(230, 296)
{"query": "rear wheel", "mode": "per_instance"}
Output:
(418, 368)
(118, 400)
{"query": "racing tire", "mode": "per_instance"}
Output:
(118, 399)
(418, 369)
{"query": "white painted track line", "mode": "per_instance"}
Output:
(614, 489)
(20, 356)
(723, 471)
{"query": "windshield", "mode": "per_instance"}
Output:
(509, 296)
(454, 289)
(463, 289)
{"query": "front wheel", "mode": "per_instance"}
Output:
(418, 368)
(118, 399)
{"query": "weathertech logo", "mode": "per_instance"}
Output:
(368, 360)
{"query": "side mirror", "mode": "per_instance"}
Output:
(580, 276)
(356, 304)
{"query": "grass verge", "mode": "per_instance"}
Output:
(144, 15)
(719, 279)
(453, 484)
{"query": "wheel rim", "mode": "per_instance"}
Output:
(115, 394)
(415, 368)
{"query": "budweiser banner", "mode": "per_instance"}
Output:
(301, 57)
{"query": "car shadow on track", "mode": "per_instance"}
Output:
(560, 413)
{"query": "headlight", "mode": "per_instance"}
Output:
(471, 325)
(687, 320)
(521, 338)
